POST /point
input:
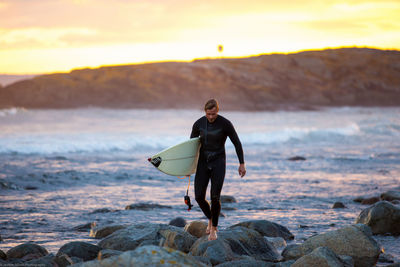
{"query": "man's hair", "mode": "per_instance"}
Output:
(212, 103)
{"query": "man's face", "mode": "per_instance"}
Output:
(211, 114)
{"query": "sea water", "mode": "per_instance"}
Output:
(59, 167)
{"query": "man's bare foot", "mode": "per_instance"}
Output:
(213, 233)
(208, 229)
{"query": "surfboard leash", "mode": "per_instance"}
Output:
(186, 197)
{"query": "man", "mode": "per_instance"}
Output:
(213, 130)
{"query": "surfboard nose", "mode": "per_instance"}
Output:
(149, 159)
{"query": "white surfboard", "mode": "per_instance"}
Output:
(178, 160)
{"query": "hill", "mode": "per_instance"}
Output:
(333, 77)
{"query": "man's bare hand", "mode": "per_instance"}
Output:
(242, 170)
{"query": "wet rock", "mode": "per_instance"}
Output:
(391, 195)
(102, 210)
(25, 249)
(146, 206)
(338, 205)
(247, 263)
(108, 253)
(355, 241)
(383, 217)
(30, 187)
(358, 199)
(146, 256)
(385, 258)
(148, 234)
(3, 255)
(196, 228)
(227, 199)
(46, 261)
(101, 232)
(277, 242)
(63, 260)
(233, 243)
(292, 252)
(82, 250)
(178, 222)
(296, 158)
(370, 201)
(83, 227)
(321, 257)
(267, 228)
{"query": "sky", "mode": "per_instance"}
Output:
(44, 36)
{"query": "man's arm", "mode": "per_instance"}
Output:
(195, 131)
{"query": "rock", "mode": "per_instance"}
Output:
(102, 210)
(178, 222)
(3, 255)
(108, 253)
(147, 256)
(133, 236)
(277, 242)
(292, 252)
(385, 258)
(227, 199)
(355, 241)
(196, 228)
(246, 263)
(30, 187)
(296, 158)
(267, 228)
(101, 232)
(383, 217)
(233, 243)
(338, 205)
(83, 227)
(82, 250)
(63, 260)
(370, 201)
(46, 261)
(391, 195)
(321, 257)
(146, 206)
(25, 249)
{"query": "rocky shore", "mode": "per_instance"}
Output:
(248, 243)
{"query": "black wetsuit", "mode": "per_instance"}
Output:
(212, 164)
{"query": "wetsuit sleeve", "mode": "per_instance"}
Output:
(236, 142)
(195, 131)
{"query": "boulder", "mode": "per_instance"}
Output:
(26, 249)
(297, 158)
(146, 206)
(369, 201)
(82, 250)
(292, 252)
(196, 228)
(227, 199)
(338, 205)
(101, 232)
(247, 263)
(178, 222)
(321, 257)
(267, 228)
(63, 260)
(46, 261)
(355, 241)
(233, 243)
(133, 236)
(277, 242)
(383, 217)
(391, 195)
(146, 256)
(84, 227)
(108, 253)
(3, 255)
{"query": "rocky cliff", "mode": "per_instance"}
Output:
(334, 77)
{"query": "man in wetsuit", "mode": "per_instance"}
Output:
(213, 130)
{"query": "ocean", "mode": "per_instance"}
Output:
(63, 168)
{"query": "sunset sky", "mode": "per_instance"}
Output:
(41, 36)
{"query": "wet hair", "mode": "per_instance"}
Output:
(212, 103)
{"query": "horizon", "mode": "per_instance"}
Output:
(63, 35)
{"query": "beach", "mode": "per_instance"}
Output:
(60, 169)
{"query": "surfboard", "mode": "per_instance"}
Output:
(178, 160)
